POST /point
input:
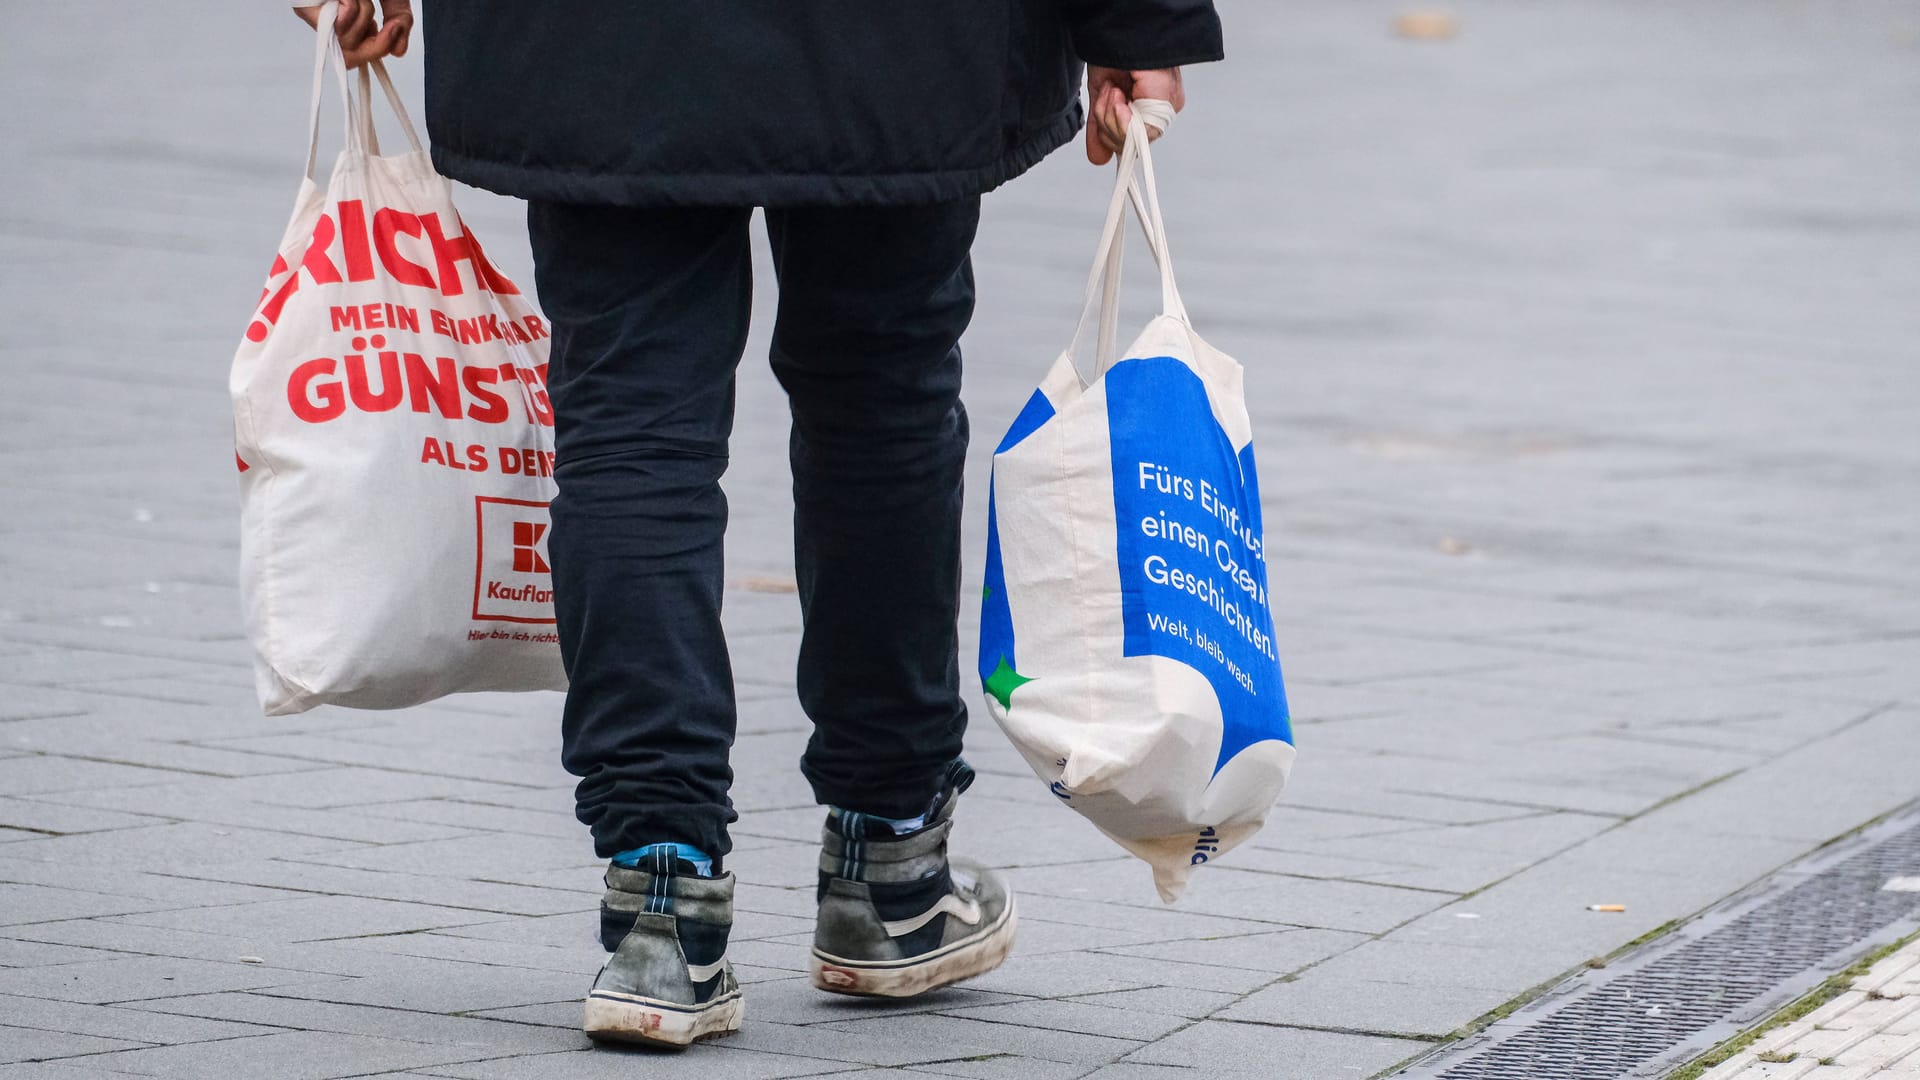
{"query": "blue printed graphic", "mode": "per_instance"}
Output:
(1193, 572)
(999, 674)
(1038, 410)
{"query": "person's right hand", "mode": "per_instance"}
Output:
(1111, 92)
(359, 40)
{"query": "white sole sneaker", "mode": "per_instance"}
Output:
(630, 1018)
(919, 974)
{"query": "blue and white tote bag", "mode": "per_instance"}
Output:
(1126, 642)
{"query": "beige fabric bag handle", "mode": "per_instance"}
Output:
(1136, 187)
(360, 137)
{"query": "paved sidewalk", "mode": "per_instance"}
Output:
(1581, 358)
(1870, 1032)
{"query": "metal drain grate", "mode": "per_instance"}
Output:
(1655, 1008)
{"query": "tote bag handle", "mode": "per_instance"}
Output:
(360, 137)
(326, 48)
(363, 108)
(1135, 186)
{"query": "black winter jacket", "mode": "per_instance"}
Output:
(775, 102)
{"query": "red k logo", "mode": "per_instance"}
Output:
(511, 579)
(526, 548)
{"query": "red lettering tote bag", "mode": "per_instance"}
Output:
(394, 440)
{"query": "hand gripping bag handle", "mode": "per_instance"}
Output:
(1103, 282)
(358, 108)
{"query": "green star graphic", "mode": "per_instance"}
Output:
(1003, 682)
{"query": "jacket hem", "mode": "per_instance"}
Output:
(1155, 61)
(580, 186)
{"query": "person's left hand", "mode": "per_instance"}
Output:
(1111, 92)
(360, 41)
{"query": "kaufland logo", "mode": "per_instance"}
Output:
(512, 578)
(527, 557)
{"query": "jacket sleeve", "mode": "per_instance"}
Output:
(1138, 35)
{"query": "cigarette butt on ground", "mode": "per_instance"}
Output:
(1607, 907)
(1426, 25)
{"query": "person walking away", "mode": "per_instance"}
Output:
(642, 136)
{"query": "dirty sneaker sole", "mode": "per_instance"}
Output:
(629, 1018)
(964, 959)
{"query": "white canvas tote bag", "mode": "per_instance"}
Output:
(1126, 640)
(394, 440)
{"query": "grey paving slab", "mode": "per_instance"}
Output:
(1321, 864)
(1277, 953)
(563, 1015)
(129, 1022)
(321, 789)
(313, 918)
(949, 1032)
(178, 756)
(53, 819)
(1085, 1017)
(1222, 891)
(248, 1011)
(793, 1000)
(1393, 959)
(443, 988)
(519, 770)
(721, 1062)
(57, 1070)
(482, 817)
(1594, 554)
(1170, 1000)
(157, 846)
(35, 903)
(21, 702)
(1068, 974)
(52, 773)
(217, 804)
(1338, 1003)
(134, 978)
(1003, 1067)
(466, 893)
(1127, 1071)
(582, 956)
(1277, 1051)
(1160, 923)
(15, 953)
(115, 940)
(825, 1043)
(494, 856)
(294, 1055)
(30, 1044)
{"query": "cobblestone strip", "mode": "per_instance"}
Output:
(1872, 1030)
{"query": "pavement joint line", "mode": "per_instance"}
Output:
(1372, 1032)
(98, 760)
(1404, 676)
(1631, 735)
(332, 763)
(1343, 880)
(1531, 812)
(1678, 797)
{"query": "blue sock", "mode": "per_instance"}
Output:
(702, 862)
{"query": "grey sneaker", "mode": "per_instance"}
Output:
(896, 917)
(668, 982)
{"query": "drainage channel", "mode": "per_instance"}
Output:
(1652, 1010)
